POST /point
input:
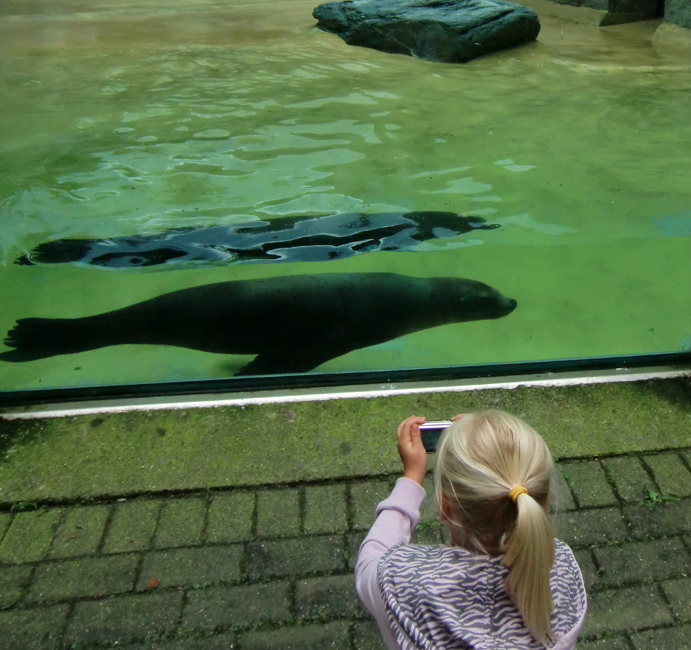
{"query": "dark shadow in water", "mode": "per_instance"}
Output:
(283, 239)
(292, 324)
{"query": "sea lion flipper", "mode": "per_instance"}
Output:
(283, 360)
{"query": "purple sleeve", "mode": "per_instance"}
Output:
(397, 517)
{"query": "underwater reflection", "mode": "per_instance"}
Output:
(282, 239)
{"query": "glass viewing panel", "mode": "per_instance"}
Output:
(219, 189)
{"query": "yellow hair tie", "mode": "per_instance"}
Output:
(516, 492)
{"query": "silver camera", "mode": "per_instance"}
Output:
(430, 433)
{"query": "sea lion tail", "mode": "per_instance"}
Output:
(37, 338)
(57, 252)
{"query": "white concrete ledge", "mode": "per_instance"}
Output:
(573, 378)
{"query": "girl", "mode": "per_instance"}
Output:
(505, 582)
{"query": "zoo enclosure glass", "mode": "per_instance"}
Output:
(151, 148)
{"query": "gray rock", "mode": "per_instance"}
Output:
(621, 11)
(452, 31)
(678, 12)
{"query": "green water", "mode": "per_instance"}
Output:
(121, 119)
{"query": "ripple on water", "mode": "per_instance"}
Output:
(212, 134)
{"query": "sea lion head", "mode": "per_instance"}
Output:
(468, 300)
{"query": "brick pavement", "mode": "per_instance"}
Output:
(271, 567)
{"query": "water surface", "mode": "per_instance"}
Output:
(122, 119)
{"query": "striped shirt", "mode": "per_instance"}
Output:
(443, 598)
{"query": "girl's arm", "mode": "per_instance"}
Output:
(397, 517)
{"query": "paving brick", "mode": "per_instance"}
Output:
(670, 474)
(13, 583)
(5, 519)
(366, 636)
(353, 542)
(94, 576)
(589, 484)
(428, 532)
(332, 635)
(364, 498)
(562, 499)
(123, 619)
(429, 511)
(34, 629)
(278, 513)
(641, 561)
(674, 638)
(325, 509)
(328, 597)
(592, 526)
(562, 528)
(245, 606)
(672, 518)
(622, 610)
(615, 643)
(678, 594)
(181, 523)
(191, 566)
(295, 557)
(629, 477)
(230, 517)
(133, 525)
(587, 566)
(29, 536)
(225, 641)
(80, 532)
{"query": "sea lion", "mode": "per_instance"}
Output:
(293, 324)
(281, 239)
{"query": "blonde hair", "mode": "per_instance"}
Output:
(480, 459)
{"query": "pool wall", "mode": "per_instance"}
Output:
(622, 11)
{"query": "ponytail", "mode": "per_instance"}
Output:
(492, 481)
(529, 557)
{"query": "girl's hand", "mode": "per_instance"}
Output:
(410, 449)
